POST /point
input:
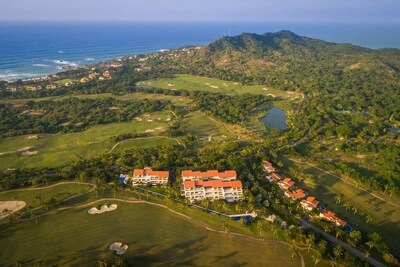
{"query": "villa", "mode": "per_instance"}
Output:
(197, 190)
(286, 183)
(189, 175)
(295, 195)
(147, 175)
(331, 216)
(274, 177)
(268, 167)
(309, 203)
(211, 184)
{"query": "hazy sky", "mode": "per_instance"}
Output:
(201, 10)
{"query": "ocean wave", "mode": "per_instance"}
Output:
(41, 65)
(12, 76)
(61, 52)
(89, 59)
(65, 62)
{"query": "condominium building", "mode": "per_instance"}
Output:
(147, 175)
(211, 184)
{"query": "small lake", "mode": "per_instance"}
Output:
(276, 118)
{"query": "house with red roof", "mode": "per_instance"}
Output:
(286, 183)
(147, 175)
(274, 177)
(268, 167)
(189, 175)
(296, 194)
(211, 184)
(197, 190)
(331, 216)
(309, 203)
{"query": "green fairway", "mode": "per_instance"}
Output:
(201, 125)
(190, 82)
(34, 195)
(385, 216)
(145, 142)
(59, 149)
(176, 100)
(155, 236)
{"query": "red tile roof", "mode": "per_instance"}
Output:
(214, 184)
(297, 194)
(148, 171)
(276, 177)
(332, 217)
(312, 201)
(209, 174)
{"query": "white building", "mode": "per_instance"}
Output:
(189, 175)
(231, 191)
(211, 184)
(147, 175)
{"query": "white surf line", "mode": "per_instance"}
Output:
(344, 180)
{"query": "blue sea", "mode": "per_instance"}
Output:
(36, 49)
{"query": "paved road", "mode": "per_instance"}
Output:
(344, 245)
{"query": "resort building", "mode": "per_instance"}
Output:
(296, 194)
(274, 177)
(331, 216)
(268, 167)
(286, 183)
(147, 175)
(197, 190)
(189, 175)
(309, 203)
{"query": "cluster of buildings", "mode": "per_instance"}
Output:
(297, 194)
(196, 185)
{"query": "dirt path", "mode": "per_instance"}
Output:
(44, 187)
(344, 180)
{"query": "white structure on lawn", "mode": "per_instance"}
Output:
(212, 185)
(147, 175)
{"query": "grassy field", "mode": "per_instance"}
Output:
(189, 82)
(385, 216)
(59, 149)
(199, 124)
(155, 236)
(59, 191)
(176, 100)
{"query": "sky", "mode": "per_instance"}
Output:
(372, 11)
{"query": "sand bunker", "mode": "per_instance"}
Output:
(271, 95)
(27, 148)
(170, 85)
(214, 86)
(118, 247)
(103, 208)
(29, 153)
(8, 207)
(149, 131)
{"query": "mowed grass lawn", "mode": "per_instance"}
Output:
(385, 217)
(59, 191)
(199, 124)
(190, 82)
(176, 100)
(155, 237)
(59, 149)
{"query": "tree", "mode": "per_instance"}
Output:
(338, 252)
(322, 245)
(338, 198)
(354, 238)
(310, 241)
(316, 259)
(390, 259)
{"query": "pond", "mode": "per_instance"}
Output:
(276, 118)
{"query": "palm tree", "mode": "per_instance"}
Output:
(338, 198)
(310, 241)
(347, 205)
(322, 245)
(316, 259)
(338, 252)
(368, 218)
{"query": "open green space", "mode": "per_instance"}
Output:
(176, 100)
(385, 216)
(150, 141)
(34, 195)
(154, 235)
(199, 124)
(190, 82)
(59, 149)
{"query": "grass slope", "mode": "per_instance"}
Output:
(56, 150)
(385, 217)
(154, 236)
(190, 82)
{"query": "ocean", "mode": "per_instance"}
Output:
(34, 49)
